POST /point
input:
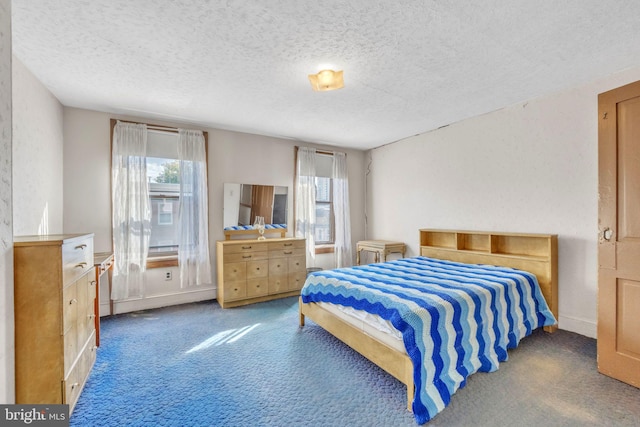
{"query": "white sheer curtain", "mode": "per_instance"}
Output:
(193, 231)
(342, 216)
(131, 216)
(306, 199)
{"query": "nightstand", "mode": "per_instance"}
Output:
(381, 248)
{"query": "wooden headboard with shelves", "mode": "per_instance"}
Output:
(535, 253)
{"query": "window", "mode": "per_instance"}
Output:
(159, 204)
(324, 211)
(165, 212)
(324, 229)
(322, 214)
(163, 176)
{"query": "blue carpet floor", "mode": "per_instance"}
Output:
(200, 365)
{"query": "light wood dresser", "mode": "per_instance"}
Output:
(55, 328)
(251, 271)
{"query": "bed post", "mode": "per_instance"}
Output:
(411, 390)
(300, 312)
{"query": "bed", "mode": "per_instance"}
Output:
(457, 308)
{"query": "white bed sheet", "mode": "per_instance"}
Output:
(371, 324)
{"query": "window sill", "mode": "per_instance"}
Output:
(162, 261)
(324, 249)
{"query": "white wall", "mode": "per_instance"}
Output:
(7, 348)
(231, 203)
(532, 167)
(232, 157)
(37, 156)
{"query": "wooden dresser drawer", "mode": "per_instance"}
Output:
(278, 267)
(245, 256)
(77, 258)
(86, 326)
(246, 247)
(297, 264)
(278, 284)
(256, 269)
(282, 253)
(235, 271)
(75, 379)
(287, 244)
(69, 306)
(71, 348)
(235, 290)
(91, 292)
(296, 280)
(257, 287)
(71, 386)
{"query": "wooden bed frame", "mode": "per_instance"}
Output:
(535, 253)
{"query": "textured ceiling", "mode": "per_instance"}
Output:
(410, 66)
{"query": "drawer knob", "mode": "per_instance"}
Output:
(246, 247)
(73, 301)
(288, 244)
(246, 256)
(93, 282)
(257, 268)
(91, 316)
(81, 265)
(81, 247)
(288, 252)
(74, 386)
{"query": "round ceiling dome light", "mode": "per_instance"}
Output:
(326, 80)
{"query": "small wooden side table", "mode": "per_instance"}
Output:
(103, 263)
(381, 248)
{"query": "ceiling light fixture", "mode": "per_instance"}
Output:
(326, 80)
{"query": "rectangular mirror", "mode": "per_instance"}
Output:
(243, 202)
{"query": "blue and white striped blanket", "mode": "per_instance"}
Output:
(250, 227)
(456, 319)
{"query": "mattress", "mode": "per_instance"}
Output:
(455, 319)
(371, 324)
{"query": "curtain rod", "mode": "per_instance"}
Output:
(152, 126)
(162, 129)
(330, 153)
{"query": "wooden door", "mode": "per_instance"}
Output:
(262, 202)
(619, 227)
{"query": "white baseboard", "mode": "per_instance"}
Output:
(157, 301)
(104, 309)
(579, 326)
